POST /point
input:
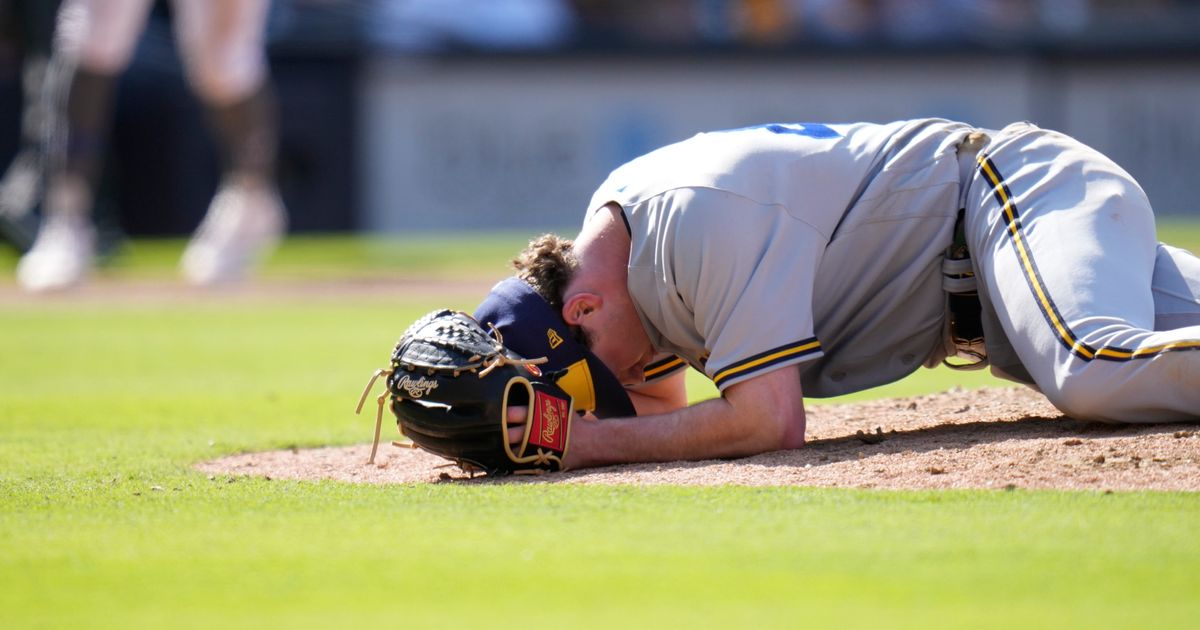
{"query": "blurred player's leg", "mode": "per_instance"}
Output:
(96, 38)
(223, 44)
(21, 185)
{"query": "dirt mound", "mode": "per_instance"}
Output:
(989, 438)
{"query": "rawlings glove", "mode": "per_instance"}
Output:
(451, 383)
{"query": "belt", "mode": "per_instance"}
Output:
(964, 312)
(968, 152)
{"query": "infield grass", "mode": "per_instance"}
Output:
(105, 406)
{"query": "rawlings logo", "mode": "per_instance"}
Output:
(416, 388)
(553, 337)
(550, 422)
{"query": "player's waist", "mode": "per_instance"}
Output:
(968, 160)
(958, 272)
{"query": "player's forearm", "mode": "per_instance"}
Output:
(697, 432)
(756, 417)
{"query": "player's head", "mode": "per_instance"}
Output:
(528, 311)
(592, 299)
(547, 265)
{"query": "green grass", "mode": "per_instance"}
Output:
(1180, 231)
(202, 553)
(428, 255)
(104, 408)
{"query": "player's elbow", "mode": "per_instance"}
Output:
(792, 431)
(772, 410)
(787, 429)
(772, 429)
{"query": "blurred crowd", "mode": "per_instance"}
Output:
(864, 22)
(424, 25)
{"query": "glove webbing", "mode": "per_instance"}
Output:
(490, 363)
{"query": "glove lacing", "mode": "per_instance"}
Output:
(485, 366)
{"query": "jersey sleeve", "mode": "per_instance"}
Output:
(748, 270)
(663, 366)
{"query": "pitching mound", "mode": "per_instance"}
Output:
(991, 438)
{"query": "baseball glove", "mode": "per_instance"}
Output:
(451, 383)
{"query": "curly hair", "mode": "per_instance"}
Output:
(547, 264)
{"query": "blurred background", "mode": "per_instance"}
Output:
(444, 115)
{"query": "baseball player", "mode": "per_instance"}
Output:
(792, 260)
(222, 46)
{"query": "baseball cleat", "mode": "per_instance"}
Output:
(61, 255)
(244, 222)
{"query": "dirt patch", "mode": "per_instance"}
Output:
(989, 438)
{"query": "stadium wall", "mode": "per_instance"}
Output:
(499, 142)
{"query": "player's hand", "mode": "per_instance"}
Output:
(516, 425)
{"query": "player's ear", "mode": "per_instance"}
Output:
(578, 307)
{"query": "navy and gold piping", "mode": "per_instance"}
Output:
(1046, 304)
(764, 360)
(661, 368)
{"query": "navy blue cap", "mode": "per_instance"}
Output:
(532, 329)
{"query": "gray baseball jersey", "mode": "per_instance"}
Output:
(823, 245)
(773, 245)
